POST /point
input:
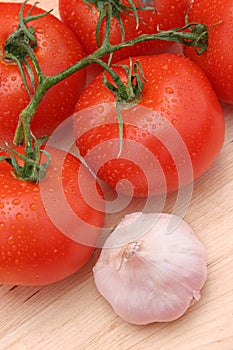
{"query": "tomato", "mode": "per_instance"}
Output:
(177, 120)
(217, 61)
(57, 49)
(82, 21)
(40, 241)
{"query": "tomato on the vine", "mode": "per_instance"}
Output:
(177, 99)
(217, 61)
(37, 246)
(57, 49)
(82, 20)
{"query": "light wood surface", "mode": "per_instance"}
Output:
(72, 315)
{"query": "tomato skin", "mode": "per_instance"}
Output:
(33, 251)
(82, 21)
(57, 49)
(217, 61)
(179, 92)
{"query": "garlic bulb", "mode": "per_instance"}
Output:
(156, 277)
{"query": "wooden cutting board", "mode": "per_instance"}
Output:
(72, 315)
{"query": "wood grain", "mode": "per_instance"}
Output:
(72, 315)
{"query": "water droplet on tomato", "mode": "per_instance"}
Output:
(100, 109)
(33, 206)
(19, 216)
(11, 240)
(149, 119)
(169, 90)
(2, 226)
(16, 202)
(2, 205)
(93, 36)
(40, 30)
(23, 87)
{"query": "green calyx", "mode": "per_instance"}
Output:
(117, 9)
(20, 46)
(31, 170)
(126, 94)
(129, 92)
(192, 34)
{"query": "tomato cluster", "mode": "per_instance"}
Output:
(172, 130)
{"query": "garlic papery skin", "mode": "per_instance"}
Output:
(156, 277)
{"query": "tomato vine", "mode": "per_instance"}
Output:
(20, 46)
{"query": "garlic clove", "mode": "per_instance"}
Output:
(156, 277)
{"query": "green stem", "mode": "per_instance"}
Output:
(108, 15)
(177, 36)
(198, 35)
(27, 113)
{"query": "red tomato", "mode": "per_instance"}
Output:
(34, 247)
(82, 21)
(57, 49)
(217, 61)
(177, 100)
